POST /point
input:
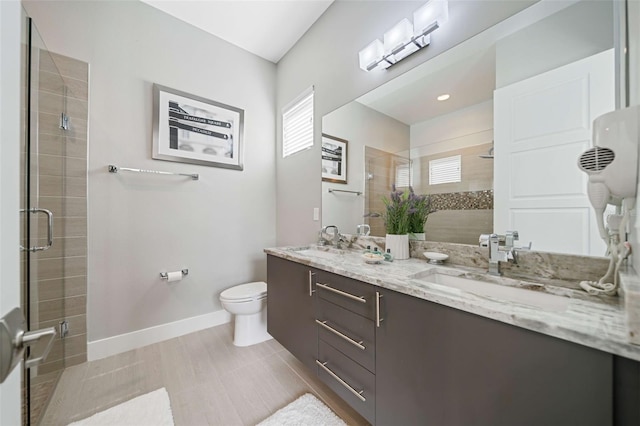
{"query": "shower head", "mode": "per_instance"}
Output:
(488, 155)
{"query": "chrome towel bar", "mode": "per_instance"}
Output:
(331, 190)
(116, 169)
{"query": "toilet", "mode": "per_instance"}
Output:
(248, 303)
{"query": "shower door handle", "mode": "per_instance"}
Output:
(49, 229)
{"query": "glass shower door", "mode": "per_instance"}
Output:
(383, 171)
(53, 214)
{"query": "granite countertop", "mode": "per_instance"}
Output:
(561, 312)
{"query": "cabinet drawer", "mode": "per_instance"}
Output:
(353, 295)
(352, 382)
(351, 334)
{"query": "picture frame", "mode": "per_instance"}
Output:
(334, 159)
(195, 130)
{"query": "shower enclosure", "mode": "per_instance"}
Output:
(53, 182)
(383, 170)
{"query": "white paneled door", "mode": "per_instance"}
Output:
(541, 126)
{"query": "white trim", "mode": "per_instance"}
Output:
(136, 339)
(298, 98)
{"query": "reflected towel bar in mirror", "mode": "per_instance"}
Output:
(116, 169)
(342, 190)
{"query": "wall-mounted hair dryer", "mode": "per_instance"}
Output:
(612, 163)
(612, 166)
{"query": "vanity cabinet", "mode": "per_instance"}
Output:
(441, 366)
(345, 311)
(430, 364)
(291, 308)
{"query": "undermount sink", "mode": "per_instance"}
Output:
(329, 253)
(498, 292)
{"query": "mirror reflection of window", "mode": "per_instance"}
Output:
(445, 170)
(403, 175)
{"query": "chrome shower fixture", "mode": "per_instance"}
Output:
(488, 155)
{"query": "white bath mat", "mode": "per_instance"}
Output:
(306, 410)
(152, 409)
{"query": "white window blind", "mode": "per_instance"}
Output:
(445, 170)
(297, 124)
(403, 175)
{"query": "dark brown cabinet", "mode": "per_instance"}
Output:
(346, 348)
(291, 308)
(441, 366)
(428, 364)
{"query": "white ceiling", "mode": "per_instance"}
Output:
(267, 28)
(469, 81)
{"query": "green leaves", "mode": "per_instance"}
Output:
(406, 212)
(396, 215)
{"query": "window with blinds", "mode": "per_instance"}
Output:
(445, 170)
(403, 175)
(297, 124)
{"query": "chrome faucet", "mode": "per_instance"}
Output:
(325, 230)
(337, 239)
(500, 253)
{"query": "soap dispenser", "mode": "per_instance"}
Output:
(388, 256)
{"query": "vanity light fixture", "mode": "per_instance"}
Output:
(405, 38)
(395, 41)
(443, 97)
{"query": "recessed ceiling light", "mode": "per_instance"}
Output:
(443, 97)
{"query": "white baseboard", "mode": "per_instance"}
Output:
(125, 342)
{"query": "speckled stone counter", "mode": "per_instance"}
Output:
(572, 315)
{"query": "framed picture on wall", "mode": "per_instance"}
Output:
(334, 159)
(195, 130)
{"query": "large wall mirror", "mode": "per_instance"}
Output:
(500, 153)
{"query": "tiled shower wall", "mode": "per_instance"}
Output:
(380, 174)
(465, 209)
(60, 291)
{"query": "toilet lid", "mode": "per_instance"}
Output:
(247, 291)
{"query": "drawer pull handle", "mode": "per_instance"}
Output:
(378, 319)
(358, 345)
(342, 382)
(311, 290)
(342, 293)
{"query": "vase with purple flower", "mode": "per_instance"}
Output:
(396, 218)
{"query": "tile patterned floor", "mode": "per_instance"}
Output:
(209, 381)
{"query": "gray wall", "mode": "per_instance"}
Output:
(140, 225)
(577, 32)
(327, 57)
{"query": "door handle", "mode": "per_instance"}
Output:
(14, 339)
(311, 290)
(49, 229)
(31, 337)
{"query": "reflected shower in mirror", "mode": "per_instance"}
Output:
(378, 149)
(491, 129)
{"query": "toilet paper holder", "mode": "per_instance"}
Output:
(165, 275)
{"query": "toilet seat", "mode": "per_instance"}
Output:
(245, 292)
